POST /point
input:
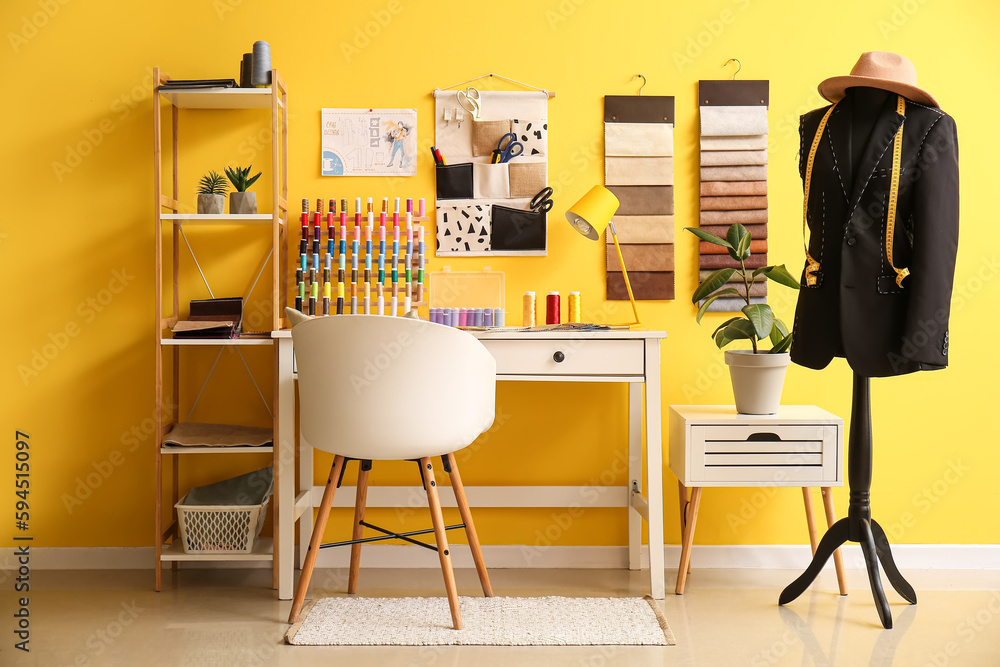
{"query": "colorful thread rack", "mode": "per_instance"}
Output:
(317, 274)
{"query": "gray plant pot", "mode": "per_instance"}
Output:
(242, 203)
(211, 204)
(757, 380)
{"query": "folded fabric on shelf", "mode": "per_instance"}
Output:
(730, 217)
(756, 231)
(706, 248)
(735, 173)
(733, 203)
(733, 188)
(650, 139)
(724, 121)
(732, 304)
(646, 285)
(641, 257)
(725, 261)
(714, 158)
(644, 228)
(644, 199)
(638, 170)
(746, 143)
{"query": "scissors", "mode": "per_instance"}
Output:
(470, 100)
(507, 148)
(542, 202)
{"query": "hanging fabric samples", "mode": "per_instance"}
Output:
(733, 178)
(639, 170)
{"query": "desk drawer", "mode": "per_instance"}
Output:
(768, 455)
(579, 357)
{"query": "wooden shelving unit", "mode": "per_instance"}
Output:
(169, 219)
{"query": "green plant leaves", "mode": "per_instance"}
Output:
(212, 183)
(778, 274)
(239, 177)
(729, 291)
(741, 329)
(739, 241)
(761, 317)
(782, 345)
(705, 236)
(713, 282)
(778, 332)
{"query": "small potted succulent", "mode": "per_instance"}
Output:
(758, 375)
(242, 202)
(212, 193)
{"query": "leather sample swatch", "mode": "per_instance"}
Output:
(486, 134)
(526, 179)
(639, 170)
(644, 228)
(733, 165)
(640, 257)
(641, 139)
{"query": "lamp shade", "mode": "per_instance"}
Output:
(593, 212)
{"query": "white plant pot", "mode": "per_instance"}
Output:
(211, 204)
(242, 203)
(757, 380)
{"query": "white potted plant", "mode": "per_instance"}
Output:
(212, 193)
(758, 375)
(242, 202)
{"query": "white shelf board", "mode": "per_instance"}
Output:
(219, 219)
(209, 342)
(180, 449)
(263, 550)
(219, 98)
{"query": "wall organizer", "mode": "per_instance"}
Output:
(733, 177)
(639, 170)
(482, 204)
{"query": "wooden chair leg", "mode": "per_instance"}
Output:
(682, 568)
(444, 554)
(470, 527)
(359, 515)
(317, 538)
(838, 557)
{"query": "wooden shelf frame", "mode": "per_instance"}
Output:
(167, 212)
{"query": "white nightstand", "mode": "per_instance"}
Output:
(713, 445)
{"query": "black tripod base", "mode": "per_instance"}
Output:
(874, 547)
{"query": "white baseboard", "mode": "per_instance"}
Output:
(781, 556)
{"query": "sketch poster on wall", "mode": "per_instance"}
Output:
(369, 142)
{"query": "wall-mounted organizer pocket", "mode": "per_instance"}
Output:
(515, 229)
(463, 229)
(491, 181)
(454, 181)
(527, 179)
(486, 134)
(534, 134)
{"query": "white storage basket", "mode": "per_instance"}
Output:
(220, 529)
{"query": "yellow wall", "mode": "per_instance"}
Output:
(78, 79)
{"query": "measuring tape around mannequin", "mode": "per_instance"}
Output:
(813, 266)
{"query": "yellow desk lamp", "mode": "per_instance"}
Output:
(590, 216)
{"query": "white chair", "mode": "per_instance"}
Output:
(389, 388)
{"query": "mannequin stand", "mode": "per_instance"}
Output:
(859, 525)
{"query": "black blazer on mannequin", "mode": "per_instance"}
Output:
(857, 311)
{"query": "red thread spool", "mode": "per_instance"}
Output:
(552, 308)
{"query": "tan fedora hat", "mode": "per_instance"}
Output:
(883, 70)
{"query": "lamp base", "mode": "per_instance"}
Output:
(628, 285)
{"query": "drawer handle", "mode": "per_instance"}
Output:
(559, 357)
(764, 437)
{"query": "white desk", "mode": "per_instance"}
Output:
(632, 357)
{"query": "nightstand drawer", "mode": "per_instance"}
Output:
(567, 357)
(768, 455)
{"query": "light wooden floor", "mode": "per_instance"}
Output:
(727, 617)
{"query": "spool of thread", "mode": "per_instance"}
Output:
(488, 317)
(552, 308)
(529, 309)
(421, 208)
(246, 71)
(261, 64)
(499, 317)
(478, 318)
(463, 317)
(574, 307)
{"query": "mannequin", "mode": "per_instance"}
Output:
(882, 223)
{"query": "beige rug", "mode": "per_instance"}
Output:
(496, 621)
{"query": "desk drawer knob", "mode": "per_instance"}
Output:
(559, 357)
